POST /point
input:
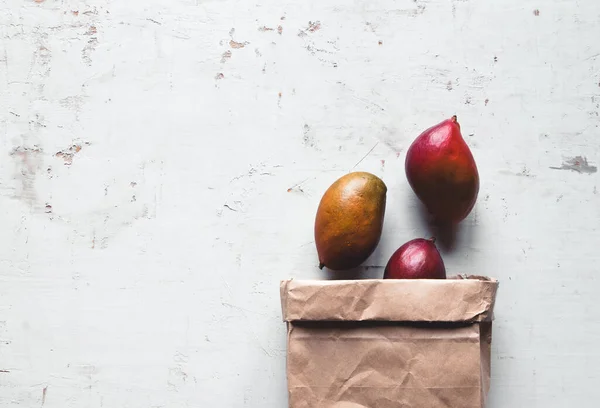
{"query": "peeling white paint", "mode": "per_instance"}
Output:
(163, 161)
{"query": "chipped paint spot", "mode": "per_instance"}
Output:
(382, 164)
(313, 26)
(87, 51)
(297, 186)
(225, 56)
(308, 137)
(265, 28)
(380, 42)
(67, 154)
(536, 12)
(219, 76)
(495, 59)
(39, 1)
(486, 101)
(449, 85)
(48, 208)
(279, 29)
(235, 44)
(70, 152)
(420, 9)
(92, 30)
(23, 152)
(578, 164)
(75, 12)
(525, 172)
(133, 184)
(325, 54)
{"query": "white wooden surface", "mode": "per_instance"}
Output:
(162, 162)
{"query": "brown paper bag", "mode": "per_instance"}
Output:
(388, 343)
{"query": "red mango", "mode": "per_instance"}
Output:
(416, 259)
(442, 172)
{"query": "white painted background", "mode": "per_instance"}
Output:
(162, 161)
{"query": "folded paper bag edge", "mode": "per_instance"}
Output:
(466, 299)
(283, 289)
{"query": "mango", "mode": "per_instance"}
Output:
(349, 220)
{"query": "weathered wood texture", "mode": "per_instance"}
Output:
(162, 162)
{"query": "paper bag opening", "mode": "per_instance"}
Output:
(437, 300)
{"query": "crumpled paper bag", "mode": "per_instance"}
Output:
(389, 343)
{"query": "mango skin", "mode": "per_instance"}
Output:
(349, 220)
